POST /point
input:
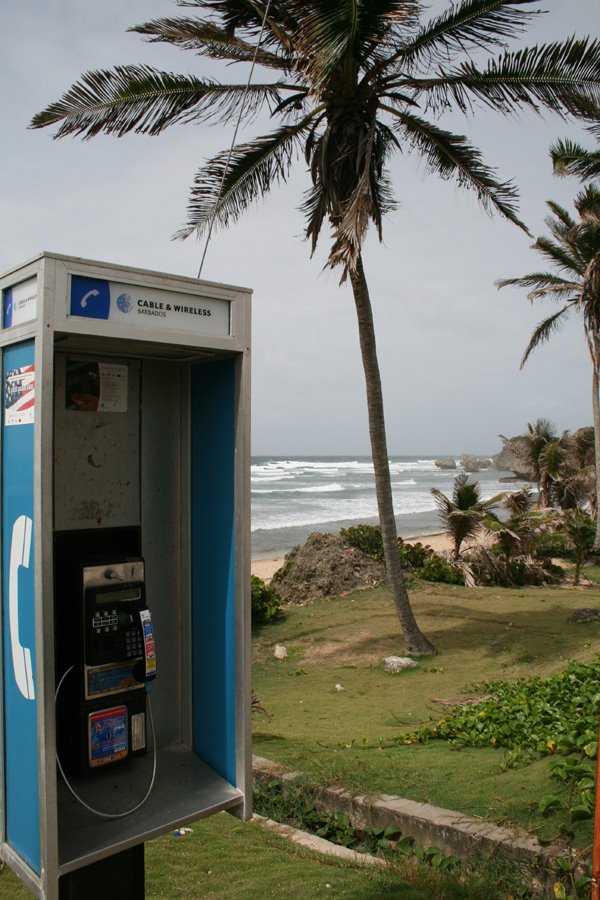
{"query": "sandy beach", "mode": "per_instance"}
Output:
(441, 541)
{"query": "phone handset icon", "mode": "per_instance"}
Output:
(20, 550)
(86, 297)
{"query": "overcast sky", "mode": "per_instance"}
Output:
(449, 342)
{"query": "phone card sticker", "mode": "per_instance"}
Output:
(149, 645)
(107, 736)
(107, 680)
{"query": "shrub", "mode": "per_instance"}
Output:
(418, 558)
(367, 539)
(488, 567)
(555, 545)
(435, 568)
(266, 602)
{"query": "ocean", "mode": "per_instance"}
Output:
(293, 496)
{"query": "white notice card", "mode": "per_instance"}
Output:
(113, 388)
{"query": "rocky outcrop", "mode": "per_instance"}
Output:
(446, 463)
(325, 565)
(510, 459)
(472, 463)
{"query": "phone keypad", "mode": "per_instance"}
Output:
(133, 643)
(107, 621)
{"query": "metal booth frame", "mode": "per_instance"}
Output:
(194, 439)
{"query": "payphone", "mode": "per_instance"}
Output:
(125, 513)
(102, 714)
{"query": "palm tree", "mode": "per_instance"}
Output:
(570, 158)
(574, 252)
(464, 514)
(353, 81)
(514, 535)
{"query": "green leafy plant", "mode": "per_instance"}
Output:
(266, 602)
(418, 558)
(435, 568)
(556, 716)
(294, 805)
(551, 715)
(367, 539)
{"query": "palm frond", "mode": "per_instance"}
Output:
(247, 175)
(208, 39)
(543, 332)
(570, 158)
(541, 285)
(145, 100)
(563, 77)
(587, 204)
(451, 156)
(466, 26)
(443, 503)
(561, 214)
(335, 38)
(369, 200)
(561, 256)
(248, 16)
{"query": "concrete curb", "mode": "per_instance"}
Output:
(318, 844)
(431, 826)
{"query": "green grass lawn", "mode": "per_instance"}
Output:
(345, 736)
(227, 859)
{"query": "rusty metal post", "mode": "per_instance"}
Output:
(595, 895)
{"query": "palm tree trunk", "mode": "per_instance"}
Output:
(596, 419)
(416, 642)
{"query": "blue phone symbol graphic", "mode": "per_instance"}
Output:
(8, 308)
(90, 297)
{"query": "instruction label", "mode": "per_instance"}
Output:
(96, 387)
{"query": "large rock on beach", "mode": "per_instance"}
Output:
(472, 463)
(446, 463)
(325, 565)
(510, 460)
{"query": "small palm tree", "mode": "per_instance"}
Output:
(516, 535)
(352, 83)
(576, 486)
(579, 530)
(464, 514)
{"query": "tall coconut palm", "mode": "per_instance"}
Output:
(574, 252)
(570, 158)
(352, 82)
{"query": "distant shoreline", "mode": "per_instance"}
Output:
(440, 541)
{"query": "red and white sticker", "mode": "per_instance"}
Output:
(19, 396)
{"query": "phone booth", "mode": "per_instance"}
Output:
(125, 695)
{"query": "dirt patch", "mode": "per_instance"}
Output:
(325, 565)
(357, 649)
